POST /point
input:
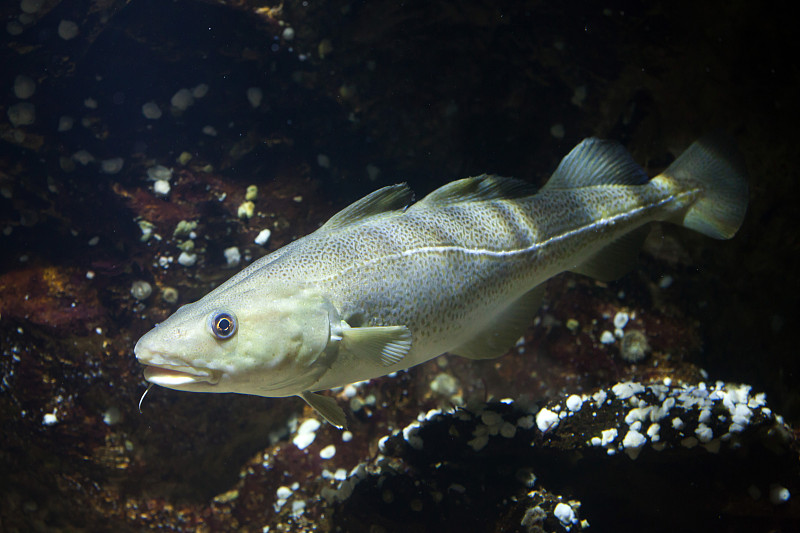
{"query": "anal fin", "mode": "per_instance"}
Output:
(500, 335)
(616, 259)
(327, 407)
(386, 344)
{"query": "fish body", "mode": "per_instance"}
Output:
(386, 284)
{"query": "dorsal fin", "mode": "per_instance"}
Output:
(383, 200)
(597, 162)
(483, 187)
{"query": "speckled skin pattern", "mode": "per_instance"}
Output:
(447, 268)
(446, 271)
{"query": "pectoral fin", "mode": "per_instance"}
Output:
(327, 407)
(500, 335)
(386, 344)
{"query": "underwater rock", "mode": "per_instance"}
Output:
(435, 461)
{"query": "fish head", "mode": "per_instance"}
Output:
(268, 341)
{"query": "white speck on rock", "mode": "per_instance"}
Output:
(232, 256)
(263, 237)
(621, 320)
(159, 172)
(741, 414)
(704, 433)
(411, 435)
(161, 187)
(306, 433)
(186, 259)
(546, 420)
(607, 436)
(327, 452)
(633, 443)
(298, 508)
(625, 390)
(565, 514)
(638, 414)
(599, 398)
(574, 403)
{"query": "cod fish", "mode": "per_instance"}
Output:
(387, 284)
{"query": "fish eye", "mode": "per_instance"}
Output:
(223, 325)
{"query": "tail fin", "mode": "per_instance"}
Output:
(714, 163)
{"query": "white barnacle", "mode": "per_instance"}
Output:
(546, 420)
(633, 443)
(411, 435)
(574, 403)
(607, 436)
(565, 514)
(625, 390)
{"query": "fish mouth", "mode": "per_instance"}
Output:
(168, 376)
